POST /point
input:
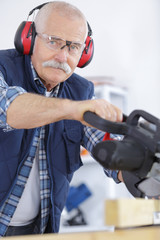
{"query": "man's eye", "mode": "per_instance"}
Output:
(52, 42)
(74, 47)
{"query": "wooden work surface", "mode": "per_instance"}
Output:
(143, 233)
(123, 213)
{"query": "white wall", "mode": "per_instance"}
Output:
(127, 43)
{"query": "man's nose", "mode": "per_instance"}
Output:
(62, 54)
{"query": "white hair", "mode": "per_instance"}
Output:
(63, 8)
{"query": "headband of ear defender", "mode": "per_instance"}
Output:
(25, 38)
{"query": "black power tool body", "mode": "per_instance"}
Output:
(137, 155)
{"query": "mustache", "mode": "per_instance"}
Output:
(63, 66)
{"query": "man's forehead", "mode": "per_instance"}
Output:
(63, 27)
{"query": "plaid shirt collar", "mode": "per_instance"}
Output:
(37, 79)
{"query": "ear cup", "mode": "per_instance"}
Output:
(25, 37)
(87, 53)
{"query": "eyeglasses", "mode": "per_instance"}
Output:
(56, 43)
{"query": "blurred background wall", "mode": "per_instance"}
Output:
(126, 34)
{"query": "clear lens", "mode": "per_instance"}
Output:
(56, 43)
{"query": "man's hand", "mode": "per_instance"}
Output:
(101, 107)
(120, 178)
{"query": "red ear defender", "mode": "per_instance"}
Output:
(25, 34)
(25, 37)
(87, 53)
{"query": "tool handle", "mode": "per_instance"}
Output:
(106, 125)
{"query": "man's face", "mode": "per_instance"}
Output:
(64, 28)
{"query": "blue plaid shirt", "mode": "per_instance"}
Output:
(91, 137)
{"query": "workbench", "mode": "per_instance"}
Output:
(139, 233)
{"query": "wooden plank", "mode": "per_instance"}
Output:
(130, 212)
(146, 233)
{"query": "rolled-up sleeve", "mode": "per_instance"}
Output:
(7, 95)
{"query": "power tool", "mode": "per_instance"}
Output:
(137, 154)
